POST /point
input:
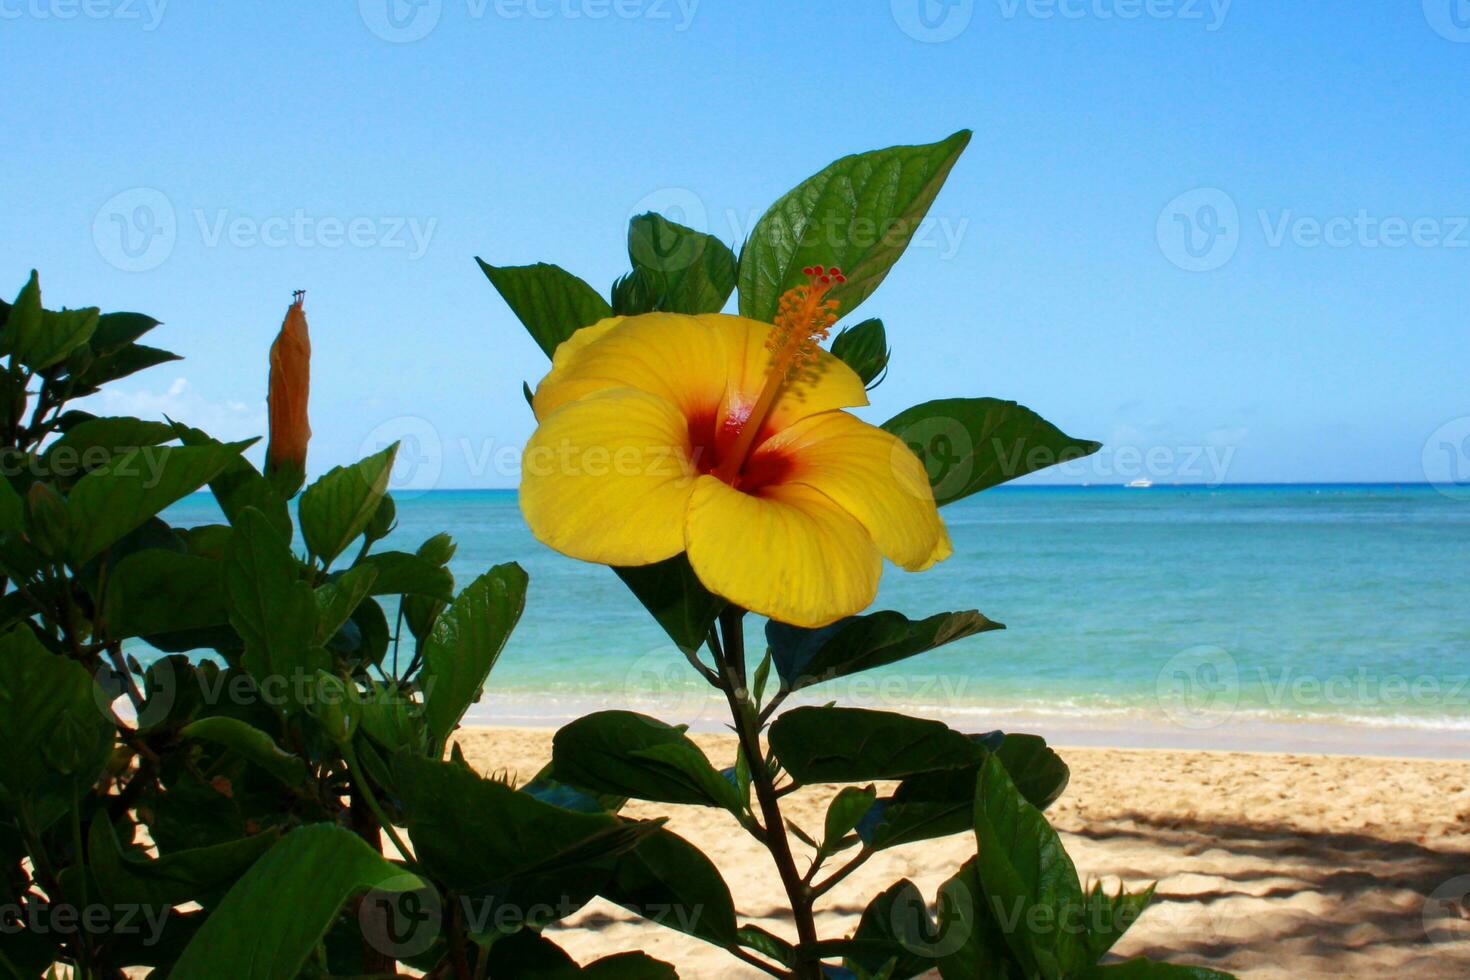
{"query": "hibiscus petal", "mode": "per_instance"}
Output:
(680, 358)
(873, 476)
(790, 553)
(608, 478)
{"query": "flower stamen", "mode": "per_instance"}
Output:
(804, 316)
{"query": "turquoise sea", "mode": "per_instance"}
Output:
(1270, 617)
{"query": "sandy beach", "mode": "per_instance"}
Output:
(1268, 865)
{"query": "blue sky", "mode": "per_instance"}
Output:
(1312, 327)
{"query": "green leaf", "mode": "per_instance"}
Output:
(1109, 916)
(474, 833)
(937, 804)
(268, 924)
(337, 508)
(120, 364)
(116, 330)
(844, 812)
(1143, 969)
(402, 573)
(251, 744)
(552, 303)
(859, 214)
(52, 724)
(685, 270)
(240, 485)
(864, 348)
(108, 503)
(161, 591)
(528, 955)
(627, 754)
(670, 881)
(338, 599)
(464, 644)
(676, 598)
(805, 656)
(40, 338)
(968, 933)
(778, 949)
(896, 928)
(971, 444)
(131, 878)
(23, 318)
(849, 745)
(271, 607)
(1029, 881)
(93, 443)
(12, 507)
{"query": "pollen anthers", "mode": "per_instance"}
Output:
(804, 315)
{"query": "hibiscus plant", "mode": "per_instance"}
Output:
(709, 459)
(213, 732)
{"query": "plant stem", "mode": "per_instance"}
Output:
(747, 727)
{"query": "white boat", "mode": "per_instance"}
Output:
(1140, 484)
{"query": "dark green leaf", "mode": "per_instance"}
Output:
(1029, 881)
(464, 644)
(552, 303)
(849, 745)
(93, 443)
(52, 724)
(161, 591)
(132, 878)
(117, 330)
(121, 363)
(269, 923)
(401, 573)
(338, 599)
(670, 881)
(271, 607)
(108, 503)
(628, 754)
(896, 928)
(474, 833)
(240, 485)
(39, 338)
(805, 656)
(971, 444)
(251, 744)
(677, 599)
(859, 213)
(937, 804)
(864, 348)
(685, 271)
(337, 508)
(969, 935)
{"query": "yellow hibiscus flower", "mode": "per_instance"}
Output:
(724, 437)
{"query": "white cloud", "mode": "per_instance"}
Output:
(180, 401)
